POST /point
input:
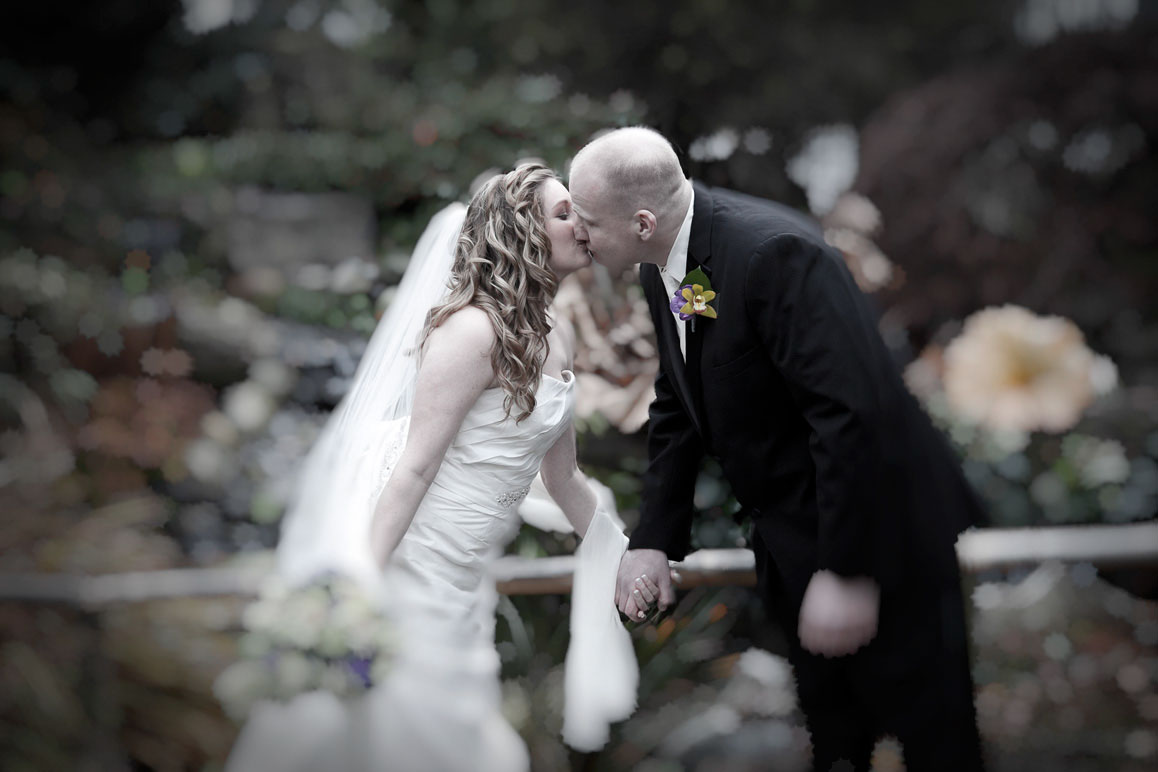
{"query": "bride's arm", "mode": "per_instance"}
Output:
(560, 470)
(455, 370)
(566, 484)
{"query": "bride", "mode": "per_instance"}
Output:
(463, 397)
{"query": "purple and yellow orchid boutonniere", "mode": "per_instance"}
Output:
(692, 298)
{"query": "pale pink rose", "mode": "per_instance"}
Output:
(1011, 369)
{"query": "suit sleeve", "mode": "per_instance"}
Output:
(674, 451)
(822, 337)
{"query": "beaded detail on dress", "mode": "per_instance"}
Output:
(510, 498)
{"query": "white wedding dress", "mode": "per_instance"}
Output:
(439, 709)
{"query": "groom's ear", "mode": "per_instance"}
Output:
(644, 223)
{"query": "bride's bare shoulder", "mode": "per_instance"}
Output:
(466, 331)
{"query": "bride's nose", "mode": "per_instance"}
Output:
(579, 230)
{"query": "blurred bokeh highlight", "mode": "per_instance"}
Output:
(206, 204)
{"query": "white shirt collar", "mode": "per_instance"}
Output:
(677, 260)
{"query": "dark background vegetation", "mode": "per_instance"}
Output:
(165, 362)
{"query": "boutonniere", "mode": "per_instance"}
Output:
(692, 298)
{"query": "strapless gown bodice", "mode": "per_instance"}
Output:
(471, 510)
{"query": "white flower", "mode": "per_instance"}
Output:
(1011, 369)
(354, 604)
(300, 639)
(242, 684)
(260, 616)
(255, 645)
(332, 642)
(337, 679)
(302, 617)
(295, 674)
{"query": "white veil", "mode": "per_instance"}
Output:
(327, 525)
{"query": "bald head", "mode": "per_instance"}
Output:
(633, 168)
(630, 197)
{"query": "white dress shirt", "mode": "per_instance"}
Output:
(676, 268)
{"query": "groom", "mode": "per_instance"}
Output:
(770, 362)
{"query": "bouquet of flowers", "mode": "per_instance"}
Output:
(326, 635)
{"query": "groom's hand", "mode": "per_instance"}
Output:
(838, 615)
(644, 577)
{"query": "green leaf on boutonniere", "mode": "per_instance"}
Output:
(697, 277)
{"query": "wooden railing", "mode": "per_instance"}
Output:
(1104, 546)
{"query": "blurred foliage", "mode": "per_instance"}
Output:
(1032, 169)
(1097, 472)
(156, 391)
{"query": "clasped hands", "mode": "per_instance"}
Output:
(838, 615)
(645, 578)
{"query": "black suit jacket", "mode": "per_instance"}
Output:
(792, 389)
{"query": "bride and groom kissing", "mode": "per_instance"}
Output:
(770, 363)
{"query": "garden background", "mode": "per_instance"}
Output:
(206, 204)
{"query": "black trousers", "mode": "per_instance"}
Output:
(912, 681)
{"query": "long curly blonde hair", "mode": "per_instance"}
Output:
(500, 266)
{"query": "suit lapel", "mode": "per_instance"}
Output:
(670, 342)
(686, 375)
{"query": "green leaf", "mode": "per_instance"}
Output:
(135, 281)
(697, 277)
